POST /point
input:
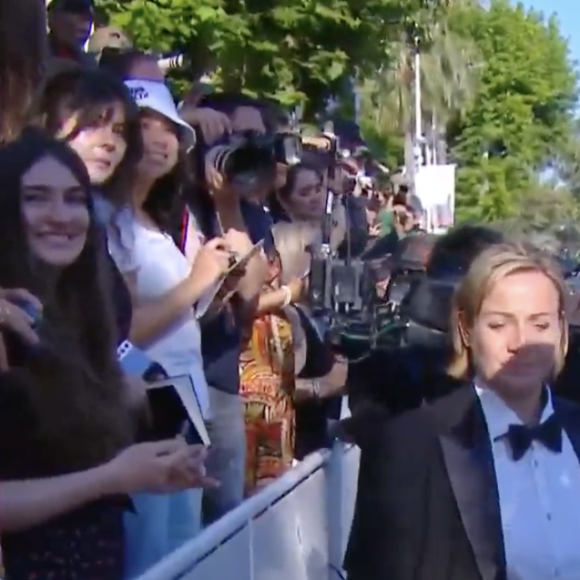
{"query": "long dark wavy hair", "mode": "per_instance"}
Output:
(23, 54)
(62, 403)
(89, 96)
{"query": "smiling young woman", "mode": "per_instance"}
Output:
(46, 221)
(66, 427)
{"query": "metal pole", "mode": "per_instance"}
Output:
(418, 116)
(418, 141)
(434, 140)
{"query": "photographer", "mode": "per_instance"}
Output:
(301, 196)
(348, 185)
(406, 221)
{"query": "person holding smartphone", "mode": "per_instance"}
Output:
(65, 474)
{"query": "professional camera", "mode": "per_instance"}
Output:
(343, 292)
(249, 158)
(341, 288)
(413, 312)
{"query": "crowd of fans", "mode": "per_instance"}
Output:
(120, 232)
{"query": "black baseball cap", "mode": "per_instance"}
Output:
(75, 6)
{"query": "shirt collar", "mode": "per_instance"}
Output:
(498, 415)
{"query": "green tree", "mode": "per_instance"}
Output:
(448, 84)
(520, 122)
(292, 50)
(567, 166)
(549, 207)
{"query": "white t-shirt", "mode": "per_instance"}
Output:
(159, 266)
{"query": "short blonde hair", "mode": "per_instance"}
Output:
(292, 240)
(491, 266)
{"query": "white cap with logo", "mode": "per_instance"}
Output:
(156, 96)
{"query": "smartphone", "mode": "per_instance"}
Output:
(134, 361)
(30, 309)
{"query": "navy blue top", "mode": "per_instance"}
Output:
(221, 337)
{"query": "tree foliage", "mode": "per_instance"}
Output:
(497, 80)
(548, 207)
(292, 50)
(520, 122)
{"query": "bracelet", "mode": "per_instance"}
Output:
(316, 387)
(287, 296)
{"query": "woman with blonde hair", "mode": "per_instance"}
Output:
(483, 484)
(274, 357)
(320, 376)
(293, 240)
(267, 367)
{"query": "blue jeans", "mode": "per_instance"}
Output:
(227, 455)
(162, 523)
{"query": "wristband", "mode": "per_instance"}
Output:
(287, 296)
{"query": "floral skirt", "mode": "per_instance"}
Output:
(86, 544)
(269, 418)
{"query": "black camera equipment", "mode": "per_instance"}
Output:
(340, 290)
(414, 311)
(248, 158)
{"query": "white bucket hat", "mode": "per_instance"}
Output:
(156, 96)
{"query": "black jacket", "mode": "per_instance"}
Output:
(427, 506)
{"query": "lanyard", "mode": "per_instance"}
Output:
(183, 231)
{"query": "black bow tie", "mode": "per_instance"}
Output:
(548, 433)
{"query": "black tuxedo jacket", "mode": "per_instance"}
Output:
(427, 505)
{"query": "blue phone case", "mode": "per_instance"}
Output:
(133, 360)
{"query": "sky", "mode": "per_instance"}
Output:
(568, 13)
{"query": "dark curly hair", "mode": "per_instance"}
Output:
(89, 95)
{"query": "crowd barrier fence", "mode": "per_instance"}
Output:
(294, 529)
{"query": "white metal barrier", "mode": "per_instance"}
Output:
(294, 529)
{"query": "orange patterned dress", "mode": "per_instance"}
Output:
(267, 387)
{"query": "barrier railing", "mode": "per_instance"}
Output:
(294, 529)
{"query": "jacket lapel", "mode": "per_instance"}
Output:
(469, 463)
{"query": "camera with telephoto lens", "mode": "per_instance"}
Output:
(247, 159)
